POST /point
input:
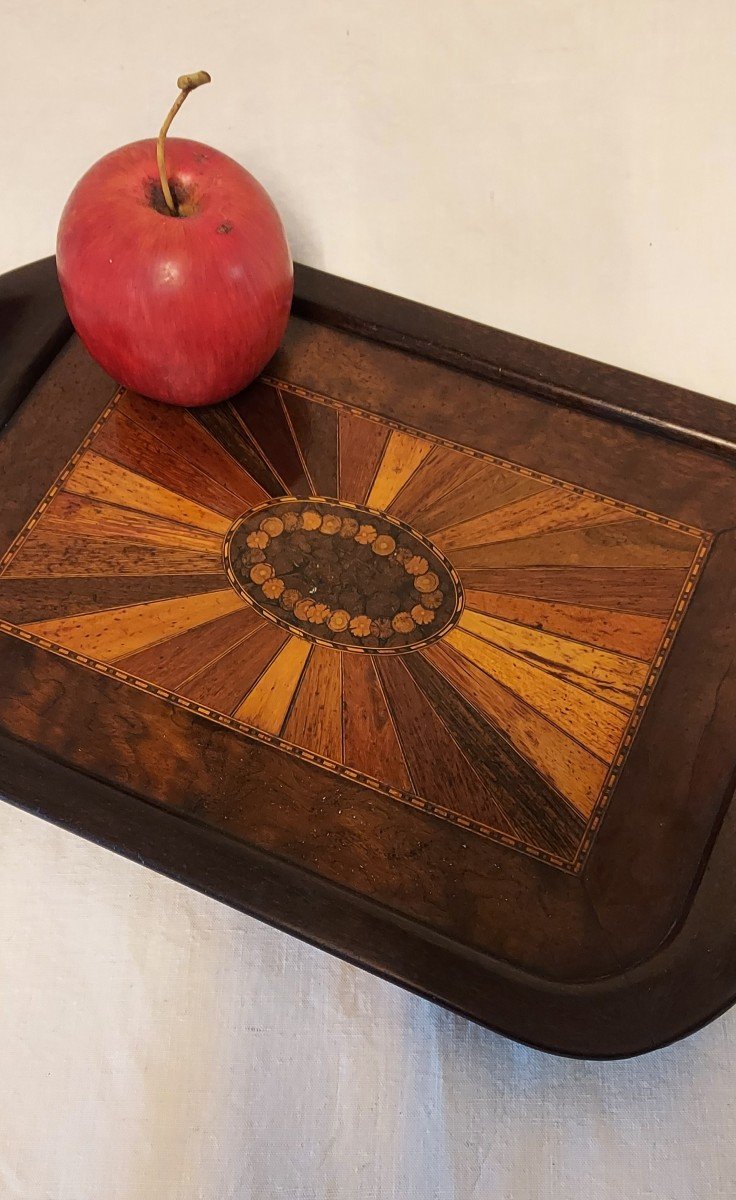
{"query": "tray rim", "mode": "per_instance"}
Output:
(495, 994)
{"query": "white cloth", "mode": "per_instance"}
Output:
(155, 1045)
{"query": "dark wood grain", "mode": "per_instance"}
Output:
(23, 600)
(258, 795)
(224, 683)
(126, 442)
(225, 425)
(512, 425)
(361, 445)
(315, 427)
(448, 777)
(511, 361)
(192, 442)
(526, 799)
(631, 589)
(371, 741)
(45, 557)
(610, 1018)
(68, 399)
(634, 949)
(34, 326)
(262, 412)
(178, 658)
(685, 749)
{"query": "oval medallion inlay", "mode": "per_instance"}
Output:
(343, 575)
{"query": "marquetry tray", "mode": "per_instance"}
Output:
(419, 656)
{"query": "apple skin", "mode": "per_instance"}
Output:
(185, 309)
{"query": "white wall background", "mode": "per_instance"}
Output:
(561, 168)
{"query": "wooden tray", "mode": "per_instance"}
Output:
(422, 649)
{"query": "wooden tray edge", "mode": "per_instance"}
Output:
(34, 326)
(513, 361)
(625, 1015)
(611, 1018)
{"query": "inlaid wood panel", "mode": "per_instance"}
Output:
(628, 633)
(266, 420)
(448, 773)
(100, 479)
(225, 424)
(361, 443)
(114, 633)
(369, 733)
(644, 590)
(314, 429)
(43, 597)
(223, 683)
(471, 638)
(402, 457)
(315, 719)
(574, 770)
(178, 658)
(148, 452)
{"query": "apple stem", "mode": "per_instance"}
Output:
(187, 84)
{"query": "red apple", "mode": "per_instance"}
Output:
(186, 308)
